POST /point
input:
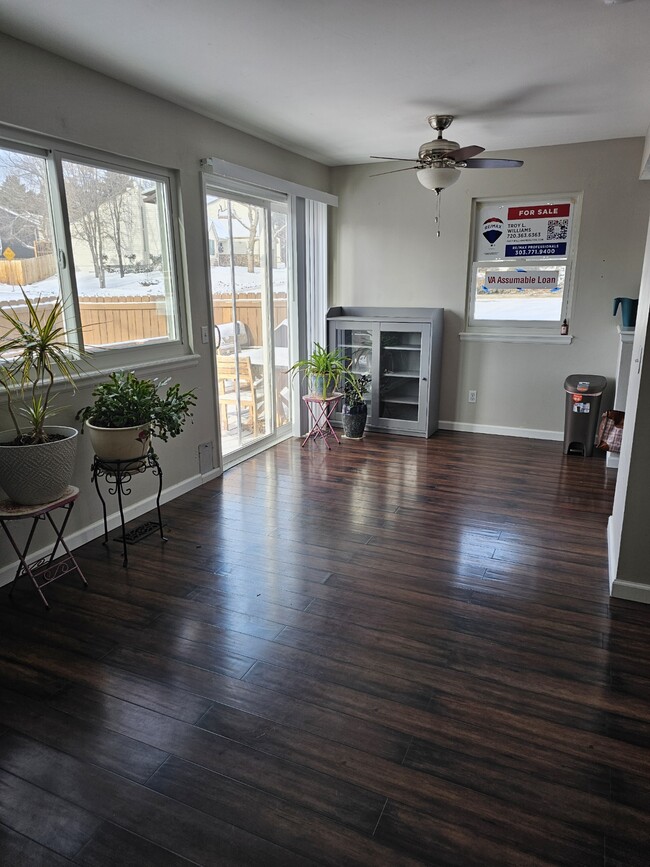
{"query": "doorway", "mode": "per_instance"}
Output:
(249, 263)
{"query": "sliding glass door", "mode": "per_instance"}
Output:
(249, 271)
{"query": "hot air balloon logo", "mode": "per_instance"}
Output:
(492, 229)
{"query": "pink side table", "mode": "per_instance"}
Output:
(45, 568)
(321, 409)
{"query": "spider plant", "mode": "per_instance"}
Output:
(323, 368)
(32, 354)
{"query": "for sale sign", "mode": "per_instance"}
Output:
(506, 231)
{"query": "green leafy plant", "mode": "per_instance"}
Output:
(32, 355)
(126, 401)
(326, 367)
(355, 387)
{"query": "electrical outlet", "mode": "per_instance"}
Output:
(471, 396)
(205, 334)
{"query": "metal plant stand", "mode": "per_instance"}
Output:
(118, 475)
(320, 412)
(44, 571)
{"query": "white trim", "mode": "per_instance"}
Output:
(626, 333)
(177, 362)
(633, 591)
(256, 448)
(132, 511)
(520, 337)
(497, 430)
(87, 378)
(612, 552)
(224, 169)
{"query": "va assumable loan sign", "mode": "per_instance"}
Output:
(506, 231)
(522, 281)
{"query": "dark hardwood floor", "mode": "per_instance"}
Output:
(397, 652)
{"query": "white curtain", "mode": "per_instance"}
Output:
(316, 271)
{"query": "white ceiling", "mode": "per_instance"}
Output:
(338, 80)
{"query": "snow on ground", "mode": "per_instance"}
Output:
(131, 284)
(513, 307)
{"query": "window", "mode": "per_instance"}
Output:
(521, 272)
(99, 236)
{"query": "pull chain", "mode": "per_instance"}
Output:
(437, 217)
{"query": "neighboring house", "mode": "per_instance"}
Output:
(140, 232)
(220, 229)
(19, 232)
(219, 238)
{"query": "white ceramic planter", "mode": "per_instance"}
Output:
(120, 443)
(40, 473)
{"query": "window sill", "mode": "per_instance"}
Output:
(154, 369)
(493, 337)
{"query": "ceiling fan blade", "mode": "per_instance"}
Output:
(401, 159)
(462, 154)
(493, 164)
(394, 172)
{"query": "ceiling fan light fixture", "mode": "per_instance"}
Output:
(438, 177)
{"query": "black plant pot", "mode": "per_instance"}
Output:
(354, 421)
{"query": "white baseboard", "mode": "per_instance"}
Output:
(619, 588)
(496, 430)
(612, 552)
(631, 591)
(132, 511)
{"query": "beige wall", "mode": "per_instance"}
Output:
(47, 94)
(385, 253)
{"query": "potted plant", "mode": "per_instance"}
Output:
(127, 412)
(355, 409)
(323, 370)
(36, 459)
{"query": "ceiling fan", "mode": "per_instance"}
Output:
(438, 162)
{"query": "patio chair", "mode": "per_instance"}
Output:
(251, 396)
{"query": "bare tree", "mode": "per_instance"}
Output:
(117, 188)
(24, 212)
(84, 189)
(279, 236)
(251, 227)
(253, 223)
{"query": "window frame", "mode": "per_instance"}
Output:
(521, 330)
(54, 152)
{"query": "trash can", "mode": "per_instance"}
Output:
(582, 412)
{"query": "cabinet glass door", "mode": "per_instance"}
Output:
(400, 372)
(356, 348)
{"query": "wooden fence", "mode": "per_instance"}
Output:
(107, 320)
(27, 271)
(45, 306)
(249, 311)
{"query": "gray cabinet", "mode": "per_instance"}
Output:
(401, 349)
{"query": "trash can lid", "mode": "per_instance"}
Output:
(585, 383)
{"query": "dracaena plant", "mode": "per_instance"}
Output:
(32, 355)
